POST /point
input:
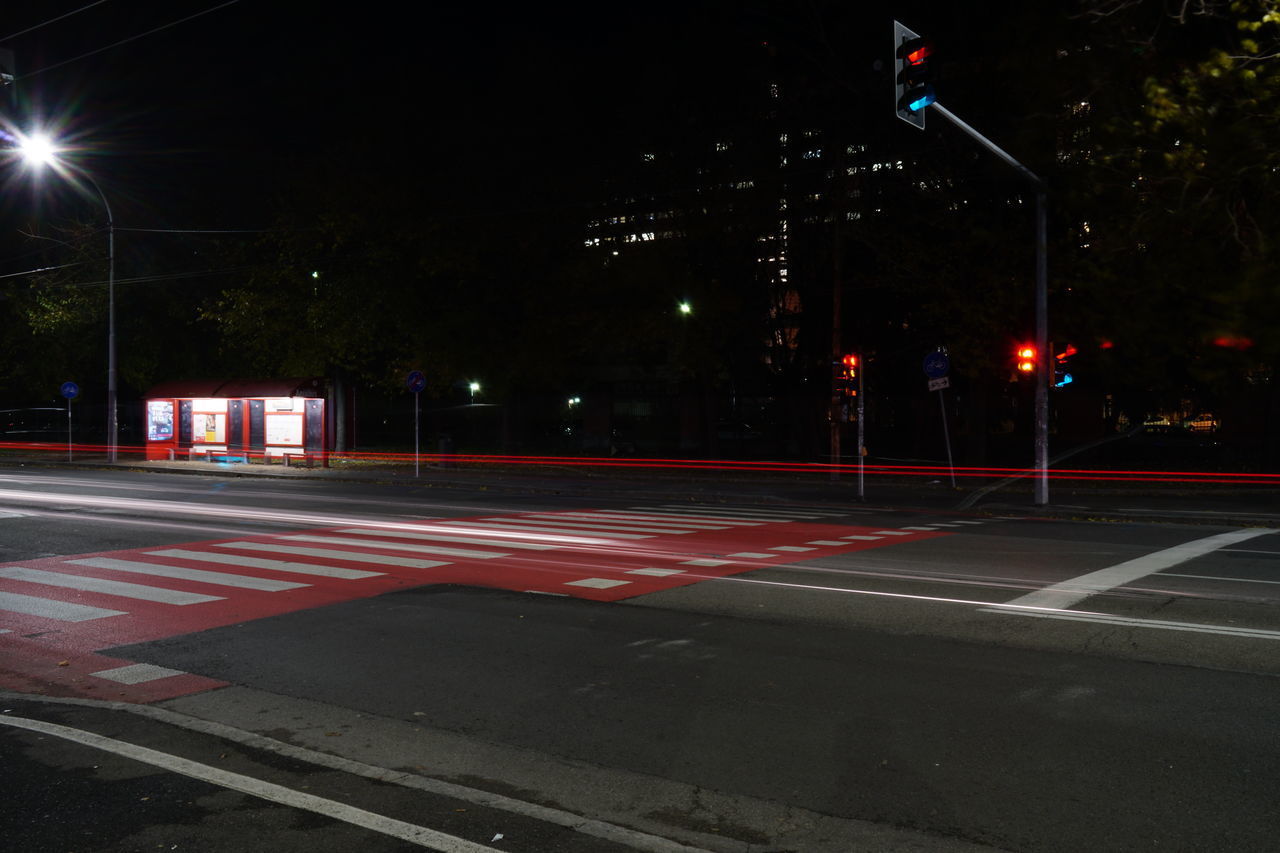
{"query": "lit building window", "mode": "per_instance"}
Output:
(812, 154)
(722, 146)
(782, 138)
(649, 157)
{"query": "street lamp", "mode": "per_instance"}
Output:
(38, 151)
(474, 387)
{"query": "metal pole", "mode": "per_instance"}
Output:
(1042, 302)
(416, 397)
(862, 369)
(68, 429)
(113, 423)
(946, 438)
(1042, 349)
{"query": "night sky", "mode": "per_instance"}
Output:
(195, 123)
(198, 119)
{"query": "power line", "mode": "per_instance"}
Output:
(126, 41)
(54, 20)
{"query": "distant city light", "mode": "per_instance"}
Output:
(686, 308)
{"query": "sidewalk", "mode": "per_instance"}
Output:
(1170, 502)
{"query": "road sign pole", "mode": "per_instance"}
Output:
(416, 397)
(862, 448)
(946, 438)
(415, 382)
(68, 430)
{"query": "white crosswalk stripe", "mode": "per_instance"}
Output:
(664, 520)
(263, 563)
(591, 536)
(769, 512)
(48, 608)
(426, 535)
(181, 573)
(395, 546)
(331, 553)
(107, 587)
(603, 525)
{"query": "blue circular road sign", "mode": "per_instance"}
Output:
(937, 365)
(70, 390)
(416, 381)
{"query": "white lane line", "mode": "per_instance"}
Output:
(577, 524)
(970, 522)
(427, 535)
(654, 526)
(108, 587)
(197, 575)
(792, 548)
(137, 673)
(892, 533)
(705, 561)
(414, 834)
(1066, 593)
(1214, 578)
(866, 538)
(8, 513)
(665, 520)
(263, 563)
(48, 608)
(920, 527)
(947, 523)
(1133, 622)
(394, 546)
(598, 583)
(332, 554)
(827, 542)
(750, 555)
(587, 537)
(656, 573)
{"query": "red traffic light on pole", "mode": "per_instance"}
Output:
(913, 85)
(1026, 358)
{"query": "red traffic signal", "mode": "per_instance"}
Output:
(1026, 359)
(850, 362)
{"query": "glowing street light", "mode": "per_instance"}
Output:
(39, 151)
(686, 308)
(474, 387)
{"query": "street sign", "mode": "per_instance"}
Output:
(416, 381)
(939, 383)
(937, 365)
(70, 390)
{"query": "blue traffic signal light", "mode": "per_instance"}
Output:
(913, 85)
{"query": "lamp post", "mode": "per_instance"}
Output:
(38, 150)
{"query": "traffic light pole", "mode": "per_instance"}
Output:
(1042, 301)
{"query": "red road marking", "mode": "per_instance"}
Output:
(600, 569)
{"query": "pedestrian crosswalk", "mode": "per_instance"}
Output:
(142, 594)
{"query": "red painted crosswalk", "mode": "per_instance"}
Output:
(56, 611)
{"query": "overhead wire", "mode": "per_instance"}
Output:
(126, 41)
(53, 20)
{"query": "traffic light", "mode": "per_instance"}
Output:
(1026, 359)
(850, 363)
(1061, 375)
(913, 86)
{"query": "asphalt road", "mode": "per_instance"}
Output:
(762, 674)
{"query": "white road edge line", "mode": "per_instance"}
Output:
(1137, 622)
(419, 835)
(559, 817)
(1060, 596)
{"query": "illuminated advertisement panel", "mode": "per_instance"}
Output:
(159, 420)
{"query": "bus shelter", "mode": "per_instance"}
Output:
(264, 420)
